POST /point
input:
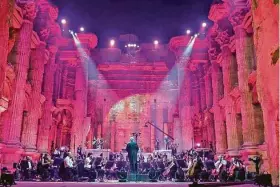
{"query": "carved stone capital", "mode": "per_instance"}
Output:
(29, 9)
(237, 16)
(213, 53)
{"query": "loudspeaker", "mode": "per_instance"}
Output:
(264, 180)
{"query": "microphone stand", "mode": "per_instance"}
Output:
(150, 123)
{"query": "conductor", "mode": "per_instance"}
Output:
(132, 150)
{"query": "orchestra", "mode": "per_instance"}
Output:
(189, 165)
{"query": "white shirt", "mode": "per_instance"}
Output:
(87, 163)
(68, 162)
(220, 162)
(29, 165)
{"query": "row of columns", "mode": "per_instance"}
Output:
(236, 131)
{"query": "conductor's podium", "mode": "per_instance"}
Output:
(137, 177)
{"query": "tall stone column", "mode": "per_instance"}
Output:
(178, 133)
(234, 132)
(245, 57)
(208, 116)
(186, 113)
(13, 117)
(113, 136)
(220, 128)
(29, 132)
(81, 92)
(159, 134)
(185, 108)
(46, 121)
(5, 17)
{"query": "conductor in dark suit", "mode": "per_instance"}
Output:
(132, 150)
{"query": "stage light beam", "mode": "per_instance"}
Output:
(82, 29)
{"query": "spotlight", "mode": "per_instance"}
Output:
(198, 144)
(76, 34)
(134, 45)
(188, 31)
(204, 24)
(196, 35)
(71, 32)
(112, 43)
(82, 29)
(125, 46)
(63, 21)
(156, 42)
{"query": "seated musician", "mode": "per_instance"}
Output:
(46, 163)
(220, 166)
(27, 168)
(237, 169)
(69, 166)
(198, 166)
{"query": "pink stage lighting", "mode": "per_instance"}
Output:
(112, 43)
(63, 21)
(82, 29)
(204, 24)
(156, 42)
(188, 31)
(198, 144)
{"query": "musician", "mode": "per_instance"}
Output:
(56, 153)
(69, 166)
(157, 144)
(237, 169)
(220, 166)
(132, 150)
(88, 161)
(174, 149)
(46, 163)
(167, 142)
(79, 151)
(26, 167)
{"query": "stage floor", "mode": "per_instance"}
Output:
(112, 184)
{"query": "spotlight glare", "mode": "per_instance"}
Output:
(188, 31)
(76, 34)
(82, 29)
(112, 43)
(195, 35)
(156, 42)
(63, 21)
(125, 46)
(204, 24)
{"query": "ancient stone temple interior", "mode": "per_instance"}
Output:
(217, 89)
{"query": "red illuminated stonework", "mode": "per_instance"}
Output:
(220, 88)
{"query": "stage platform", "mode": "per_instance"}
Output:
(126, 184)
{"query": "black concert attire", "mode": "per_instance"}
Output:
(26, 169)
(132, 150)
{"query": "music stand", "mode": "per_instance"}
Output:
(97, 162)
